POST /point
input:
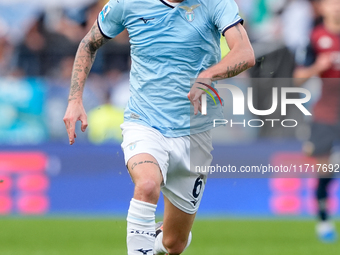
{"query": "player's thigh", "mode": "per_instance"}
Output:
(176, 224)
(144, 168)
(146, 158)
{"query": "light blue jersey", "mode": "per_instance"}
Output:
(169, 46)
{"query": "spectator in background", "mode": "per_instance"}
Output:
(29, 54)
(322, 59)
(317, 16)
(47, 50)
(42, 51)
(265, 20)
(104, 123)
(297, 22)
(274, 60)
(52, 39)
(6, 50)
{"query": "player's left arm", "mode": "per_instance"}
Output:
(240, 58)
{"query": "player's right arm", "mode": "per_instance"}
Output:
(84, 59)
(108, 24)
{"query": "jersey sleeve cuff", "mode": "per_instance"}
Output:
(240, 20)
(101, 31)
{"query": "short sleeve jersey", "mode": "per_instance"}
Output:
(170, 45)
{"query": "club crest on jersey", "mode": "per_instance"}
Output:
(105, 11)
(190, 15)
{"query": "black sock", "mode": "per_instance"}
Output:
(322, 195)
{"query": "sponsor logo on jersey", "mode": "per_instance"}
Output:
(190, 15)
(194, 202)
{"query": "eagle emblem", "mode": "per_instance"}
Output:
(190, 15)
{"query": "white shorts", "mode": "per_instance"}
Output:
(183, 188)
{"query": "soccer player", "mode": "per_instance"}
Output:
(171, 42)
(323, 60)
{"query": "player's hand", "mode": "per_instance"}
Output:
(75, 111)
(195, 93)
(323, 62)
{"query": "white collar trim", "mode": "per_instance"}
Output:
(171, 3)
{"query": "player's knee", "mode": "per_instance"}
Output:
(147, 190)
(174, 245)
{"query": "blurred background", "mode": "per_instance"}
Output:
(43, 176)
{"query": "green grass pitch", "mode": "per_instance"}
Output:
(35, 236)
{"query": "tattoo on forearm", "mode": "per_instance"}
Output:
(87, 70)
(143, 162)
(84, 59)
(75, 83)
(233, 71)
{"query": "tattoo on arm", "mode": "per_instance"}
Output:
(84, 59)
(93, 41)
(143, 162)
(232, 71)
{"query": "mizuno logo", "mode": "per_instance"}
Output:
(146, 20)
(145, 252)
(194, 202)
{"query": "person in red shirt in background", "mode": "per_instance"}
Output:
(322, 58)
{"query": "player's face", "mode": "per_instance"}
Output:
(331, 10)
